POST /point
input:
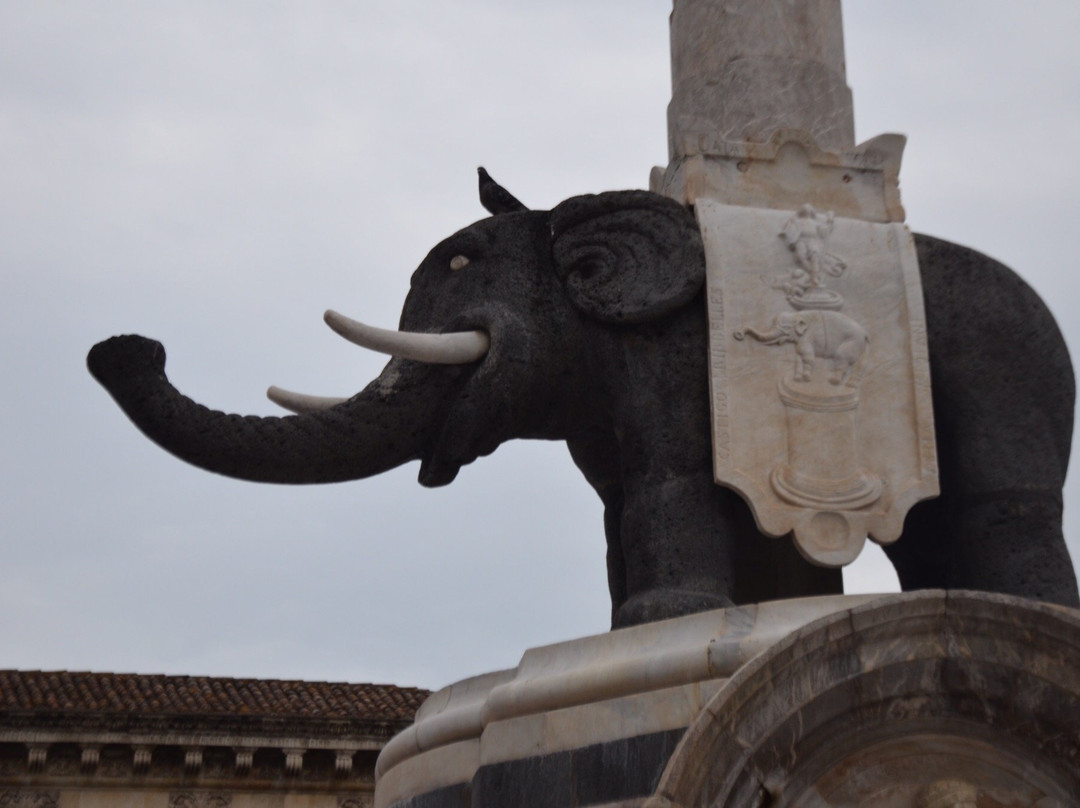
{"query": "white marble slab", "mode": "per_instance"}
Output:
(820, 380)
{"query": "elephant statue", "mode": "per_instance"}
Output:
(587, 323)
(818, 334)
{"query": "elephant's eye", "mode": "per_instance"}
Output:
(459, 262)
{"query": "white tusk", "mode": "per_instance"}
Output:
(458, 348)
(301, 403)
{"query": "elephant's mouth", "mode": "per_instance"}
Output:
(460, 346)
(484, 408)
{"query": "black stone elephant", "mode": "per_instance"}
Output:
(587, 324)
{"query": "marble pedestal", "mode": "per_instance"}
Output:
(894, 701)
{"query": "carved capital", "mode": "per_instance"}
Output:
(27, 798)
(141, 759)
(343, 762)
(193, 760)
(948, 794)
(356, 801)
(36, 756)
(294, 761)
(245, 758)
(90, 757)
(200, 799)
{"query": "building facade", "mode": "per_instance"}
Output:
(91, 740)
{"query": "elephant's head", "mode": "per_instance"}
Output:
(787, 326)
(495, 343)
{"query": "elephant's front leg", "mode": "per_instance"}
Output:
(804, 361)
(597, 455)
(678, 543)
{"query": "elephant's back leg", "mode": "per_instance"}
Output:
(687, 539)
(1003, 541)
(1003, 394)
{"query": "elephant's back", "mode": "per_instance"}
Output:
(999, 364)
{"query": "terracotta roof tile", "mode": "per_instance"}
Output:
(73, 691)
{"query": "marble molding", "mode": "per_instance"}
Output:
(630, 683)
(819, 374)
(862, 182)
(918, 700)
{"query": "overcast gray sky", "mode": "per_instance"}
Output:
(215, 175)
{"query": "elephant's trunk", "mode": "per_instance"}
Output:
(773, 337)
(383, 426)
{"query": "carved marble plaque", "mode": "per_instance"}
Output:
(820, 380)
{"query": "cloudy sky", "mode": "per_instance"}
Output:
(215, 175)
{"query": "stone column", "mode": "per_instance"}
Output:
(743, 69)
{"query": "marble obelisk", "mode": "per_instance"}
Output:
(748, 78)
(744, 69)
(820, 383)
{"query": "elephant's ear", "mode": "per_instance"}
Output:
(627, 256)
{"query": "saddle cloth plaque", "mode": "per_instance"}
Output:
(819, 375)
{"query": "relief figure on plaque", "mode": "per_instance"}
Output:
(826, 335)
(822, 468)
(805, 234)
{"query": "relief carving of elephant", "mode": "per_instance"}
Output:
(818, 334)
(587, 323)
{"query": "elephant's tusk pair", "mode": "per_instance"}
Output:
(458, 348)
